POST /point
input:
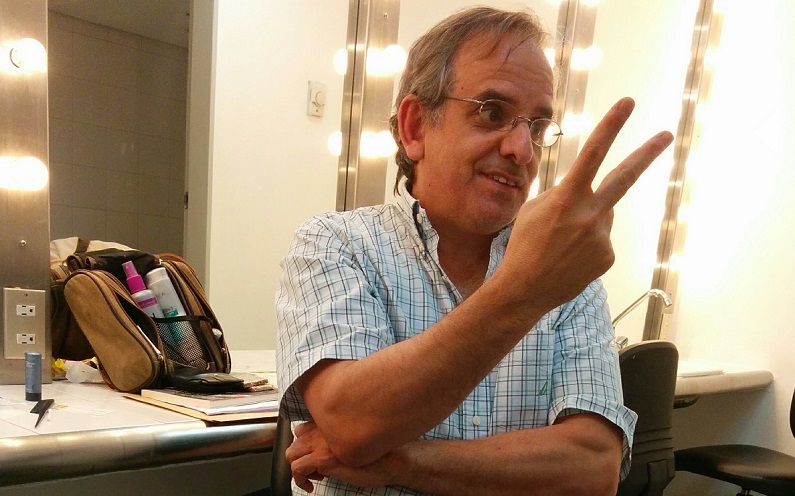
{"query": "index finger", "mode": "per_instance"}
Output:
(583, 171)
(616, 184)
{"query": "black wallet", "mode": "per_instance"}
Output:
(202, 381)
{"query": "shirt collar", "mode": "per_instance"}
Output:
(427, 234)
(422, 224)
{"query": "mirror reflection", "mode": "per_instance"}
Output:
(119, 100)
(117, 107)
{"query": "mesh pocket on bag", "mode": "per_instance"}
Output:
(183, 341)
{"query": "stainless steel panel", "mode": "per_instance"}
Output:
(576, 24)
(24, 215)
(367, 102)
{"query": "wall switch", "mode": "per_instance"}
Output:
(316, 99)
(23, 321)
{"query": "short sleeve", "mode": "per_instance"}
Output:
(586, 374)
(325, 307)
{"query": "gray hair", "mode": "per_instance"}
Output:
(429, 68)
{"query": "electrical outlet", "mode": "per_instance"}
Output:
(26, 310)
(23, 322)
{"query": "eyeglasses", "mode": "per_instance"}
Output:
(498, 115)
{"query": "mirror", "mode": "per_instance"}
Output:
(117, 105)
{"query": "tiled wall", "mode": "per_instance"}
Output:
(117, 105)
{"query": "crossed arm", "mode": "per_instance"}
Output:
(560, 242)
(579, 455)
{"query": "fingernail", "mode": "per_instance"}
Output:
(665, 136)
(626, 104)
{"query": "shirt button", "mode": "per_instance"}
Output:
(476, 421)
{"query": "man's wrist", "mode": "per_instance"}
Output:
(510, 300)
(402, 466)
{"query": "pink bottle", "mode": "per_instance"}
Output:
(145, 298)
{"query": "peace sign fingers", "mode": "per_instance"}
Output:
(585, 167)
(616, 184)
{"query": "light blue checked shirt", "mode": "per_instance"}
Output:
(358, 281)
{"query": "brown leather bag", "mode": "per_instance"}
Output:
(68, 341)
(131, 347)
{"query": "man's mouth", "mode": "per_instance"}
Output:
(502, 180)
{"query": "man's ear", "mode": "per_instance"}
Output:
(412, 127)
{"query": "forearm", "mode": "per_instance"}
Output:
(402, 391)
(556, 460)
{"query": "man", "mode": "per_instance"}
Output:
(458, 341)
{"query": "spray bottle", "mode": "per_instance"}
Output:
(145, 298)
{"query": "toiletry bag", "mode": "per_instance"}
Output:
(67, 339)
(134, 350)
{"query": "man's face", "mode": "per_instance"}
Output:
(471, 179)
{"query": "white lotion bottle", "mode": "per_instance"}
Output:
(145, 298)
(158, 281)
(171, 306)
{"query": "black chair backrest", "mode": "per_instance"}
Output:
(792, 414)
(648, 377)
(281, 477)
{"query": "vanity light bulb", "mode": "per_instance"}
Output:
(388, 61)
(377, 144)
(394, 58)
(22, 173)
(29, 55)
(335, 143)
(340, 61)
(549, 53)
(577, 124)
(586, 59)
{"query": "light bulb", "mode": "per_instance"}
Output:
(388, 61)
(577, 124)
(586, 59)
(28, 55)
(549, 53)
(377, 144)
(340, 61)
(335, 143)
(394, 58)
(22, 173)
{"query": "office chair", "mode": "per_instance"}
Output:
(753, 468)
(648, 377)
(281, 476)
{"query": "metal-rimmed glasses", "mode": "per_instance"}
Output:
(499, 115)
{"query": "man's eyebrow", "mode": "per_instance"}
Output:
(492, 94)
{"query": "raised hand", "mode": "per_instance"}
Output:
(561, 239)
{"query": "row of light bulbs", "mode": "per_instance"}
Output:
(23, 173)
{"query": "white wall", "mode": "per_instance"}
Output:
(271, 168)
(737, 267)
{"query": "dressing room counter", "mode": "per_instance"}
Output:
(695, 379)
(92, 429)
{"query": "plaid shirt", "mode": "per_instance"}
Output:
(358, 281)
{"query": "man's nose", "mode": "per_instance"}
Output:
(517, 145)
